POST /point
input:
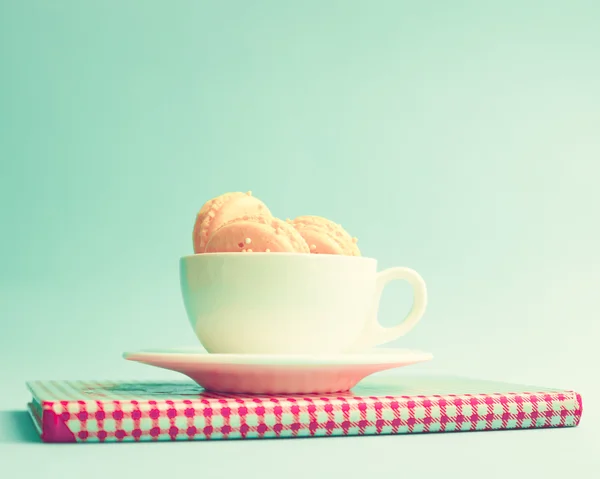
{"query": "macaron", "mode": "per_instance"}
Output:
(256, 234)
(323, 236)
(222, 209)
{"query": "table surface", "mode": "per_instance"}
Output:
(470, 454)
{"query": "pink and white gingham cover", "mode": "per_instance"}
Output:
(82, 411)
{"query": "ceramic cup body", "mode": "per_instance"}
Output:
(280, 303)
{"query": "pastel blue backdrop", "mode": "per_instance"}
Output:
(459, 138)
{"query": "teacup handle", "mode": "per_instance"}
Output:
(374, 333)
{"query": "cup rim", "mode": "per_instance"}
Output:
(313, 257)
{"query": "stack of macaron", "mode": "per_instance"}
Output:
(240, 222)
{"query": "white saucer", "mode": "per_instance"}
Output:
(277, 374)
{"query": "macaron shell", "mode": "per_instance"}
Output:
(221, 210)
(298, 242)
(205, 217)
(238, 207)
(256, 234)
(325, 237)
(321, 242)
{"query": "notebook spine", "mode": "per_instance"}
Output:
(213, 419)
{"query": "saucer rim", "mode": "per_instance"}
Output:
(200, 356)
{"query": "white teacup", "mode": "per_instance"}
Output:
(290, 303)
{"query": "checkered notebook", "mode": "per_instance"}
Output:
(105, 411)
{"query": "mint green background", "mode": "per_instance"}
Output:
(458, 138)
